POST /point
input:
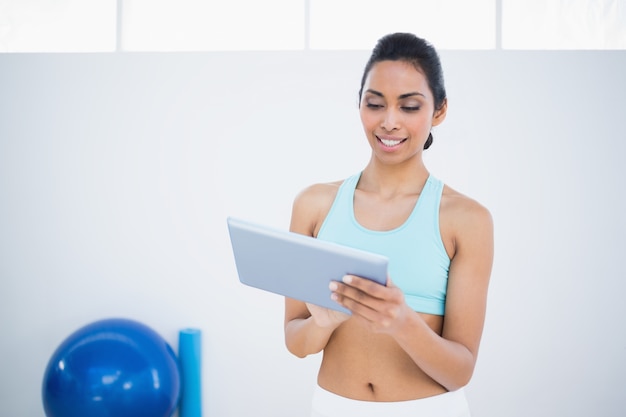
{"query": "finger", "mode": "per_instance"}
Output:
(345, 290)
(356, 306)
(390, 283)
(373, 314)
(380, 307)
(356, 300)
(365, 285)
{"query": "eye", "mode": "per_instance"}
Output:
(374, 106)
(410, 108)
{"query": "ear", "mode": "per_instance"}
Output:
(440, 115)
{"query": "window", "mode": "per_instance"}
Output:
(564, 24)
(448, 24)
(57, 25)
(188, 25)
(255, 25)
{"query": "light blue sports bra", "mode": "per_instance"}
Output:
(418, 262)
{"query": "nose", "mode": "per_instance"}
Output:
(390, 120)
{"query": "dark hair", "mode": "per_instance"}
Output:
(414, 50)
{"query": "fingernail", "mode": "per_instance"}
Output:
(347, 279)
(332, 286)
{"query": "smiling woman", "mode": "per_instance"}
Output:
(410, 346)
(427, 64)
(398, 106)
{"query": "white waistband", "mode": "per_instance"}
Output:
(450, 404)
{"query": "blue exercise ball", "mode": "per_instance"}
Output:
(112, 368)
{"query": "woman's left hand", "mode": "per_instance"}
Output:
(381, 307)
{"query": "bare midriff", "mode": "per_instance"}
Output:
(365, 366)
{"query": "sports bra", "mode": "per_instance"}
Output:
(418, 261)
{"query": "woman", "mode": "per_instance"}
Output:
(409, 347)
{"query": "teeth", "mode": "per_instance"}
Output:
(390, 143)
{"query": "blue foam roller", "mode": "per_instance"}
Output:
(190, 357)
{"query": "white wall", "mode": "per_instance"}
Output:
(117, 172)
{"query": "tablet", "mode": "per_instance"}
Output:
(296, 265)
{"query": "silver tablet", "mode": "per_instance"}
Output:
(298, 266)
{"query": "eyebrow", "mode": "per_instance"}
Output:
(402, 96)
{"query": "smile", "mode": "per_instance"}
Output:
(390, 143)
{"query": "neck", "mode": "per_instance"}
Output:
(406, 178)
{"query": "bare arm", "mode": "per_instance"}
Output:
(307, 327)
(448, 358)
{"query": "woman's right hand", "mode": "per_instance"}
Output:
(325, 317)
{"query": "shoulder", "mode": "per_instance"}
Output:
(463, 208)
(313, 193)
(464, 220)
(311, 206)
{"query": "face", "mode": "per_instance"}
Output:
(397, 110)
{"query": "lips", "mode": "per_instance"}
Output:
(390, 141)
